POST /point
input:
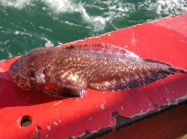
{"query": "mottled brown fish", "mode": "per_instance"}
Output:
(70, 70)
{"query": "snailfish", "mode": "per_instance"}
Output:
(69, 71)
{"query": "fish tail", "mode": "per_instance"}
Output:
(171, 69)
(174, 70)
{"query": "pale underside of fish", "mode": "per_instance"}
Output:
(69, 71)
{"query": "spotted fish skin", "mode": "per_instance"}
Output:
(67, 71)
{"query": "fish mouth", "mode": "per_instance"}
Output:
(13, 69)
(40, 76)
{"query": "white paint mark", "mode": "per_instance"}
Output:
(140, 113)
(122, 108)
(47, 135)
(55, 123)
(57, 103)
(49, 127)
(165, 88)
(133, 41)
(170, 102)
(18, 120)
(150, 104)
(90, 118)
(102, 106)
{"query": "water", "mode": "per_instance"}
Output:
(27, 24)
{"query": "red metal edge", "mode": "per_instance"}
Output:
(96, 113)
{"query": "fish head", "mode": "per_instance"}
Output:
(27, 72)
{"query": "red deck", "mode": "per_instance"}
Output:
(98, 113)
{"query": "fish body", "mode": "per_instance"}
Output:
(68, 71)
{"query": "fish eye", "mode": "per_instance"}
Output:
(30, 73)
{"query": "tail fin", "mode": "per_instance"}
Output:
(171, 69)
(174, 70)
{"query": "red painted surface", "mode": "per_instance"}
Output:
(164, 40)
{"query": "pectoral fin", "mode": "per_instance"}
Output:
(66, 84)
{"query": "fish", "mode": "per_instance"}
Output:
(71, 70)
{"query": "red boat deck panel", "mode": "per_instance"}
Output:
(99, 113)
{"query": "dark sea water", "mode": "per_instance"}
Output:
(27, 24)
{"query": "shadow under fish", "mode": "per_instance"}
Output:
(69, 71)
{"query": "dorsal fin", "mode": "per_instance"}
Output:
(102, 47)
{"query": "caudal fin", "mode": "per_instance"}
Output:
(171, 69)
(174, 70)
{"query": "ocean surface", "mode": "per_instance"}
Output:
(27, 24)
